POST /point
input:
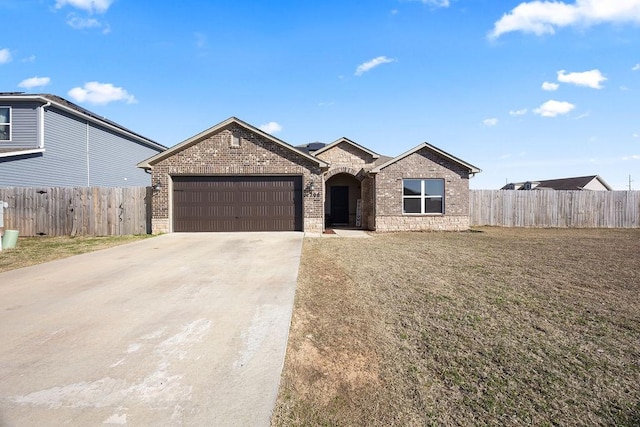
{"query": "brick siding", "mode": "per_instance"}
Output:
(215, 155)
(381, 193)
(422, 164)
(345, 154)
(348, 159)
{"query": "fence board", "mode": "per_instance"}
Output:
(119, 211)
(580, 209)
(66, 211)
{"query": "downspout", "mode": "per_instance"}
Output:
(41, 124)
(88, 168)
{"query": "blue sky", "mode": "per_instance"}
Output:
(524, 90)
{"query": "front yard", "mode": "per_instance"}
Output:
(36, 250)
(495, 327)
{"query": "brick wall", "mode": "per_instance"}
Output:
(345, 154)
(218, 155)
(422, 164)
(346, 158)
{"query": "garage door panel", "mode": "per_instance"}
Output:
(238, 203)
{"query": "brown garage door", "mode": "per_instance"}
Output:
(237, 203)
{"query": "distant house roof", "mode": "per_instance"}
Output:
(310, 148)
(575, 183)
(76, 110)
(472, 169)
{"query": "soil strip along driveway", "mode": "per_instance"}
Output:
(179, 329)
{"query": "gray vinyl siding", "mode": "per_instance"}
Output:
(113, 160)
(66, 163)
(24, 124)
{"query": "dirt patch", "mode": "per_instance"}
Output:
(503, 327)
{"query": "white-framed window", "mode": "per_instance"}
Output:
(5, 123)
(423, 196)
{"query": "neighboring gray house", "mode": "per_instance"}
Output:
(235, 177)
(48, 141)
(591, 182)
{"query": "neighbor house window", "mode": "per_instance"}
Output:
(5, 123)
(423, 196)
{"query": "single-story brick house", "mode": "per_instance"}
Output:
(235, 177)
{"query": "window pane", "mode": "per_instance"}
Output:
(412, 205)
(4, 115)
(4, 133)
(433, 205)
(434, 187)
(412, 187)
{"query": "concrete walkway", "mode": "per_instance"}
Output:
(180, 329)
(342, 232)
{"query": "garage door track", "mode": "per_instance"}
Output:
(180, 329)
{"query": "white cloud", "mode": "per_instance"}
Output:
(553, 108)
(636, 67)
(31, 58)
(436, 3)
(32, 82)
(550, 86)
(518, 112)
(100, 93)
(79, 23)
(363, 68)
(543, 17)
(5, 56)
(91, 6)
(636, 135)
(271, 127)
(490, 122)
(590, 79)
(632, 157)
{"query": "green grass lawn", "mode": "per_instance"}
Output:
(496, 327)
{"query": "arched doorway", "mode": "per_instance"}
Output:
(341, 206)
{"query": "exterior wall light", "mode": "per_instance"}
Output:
(310, 188)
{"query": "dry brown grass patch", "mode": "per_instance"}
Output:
(36, 250)
(501, 327)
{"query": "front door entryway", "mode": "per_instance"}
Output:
(339, 205)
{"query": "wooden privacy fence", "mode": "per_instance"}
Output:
(549, 208)
(83, 211)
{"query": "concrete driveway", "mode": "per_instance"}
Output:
(180, 329)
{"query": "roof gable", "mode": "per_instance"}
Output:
(347, 141)
(147, 164)
(472, 169)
